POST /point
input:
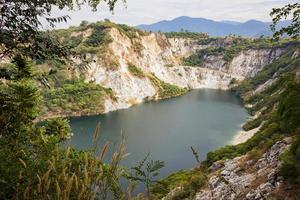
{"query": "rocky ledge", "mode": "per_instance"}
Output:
(243, 178)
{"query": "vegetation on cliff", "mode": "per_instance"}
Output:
(135, 71)
(33, 164)
(228, 50)
(76, 98)
(278, 112)
(166, 90)
(186, 34)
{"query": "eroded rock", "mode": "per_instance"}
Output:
(233, 182)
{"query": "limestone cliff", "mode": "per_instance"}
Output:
(242, 178)
(156, 54)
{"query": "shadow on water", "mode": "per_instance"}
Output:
(205, 119)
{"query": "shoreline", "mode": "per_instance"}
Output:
(243, 136)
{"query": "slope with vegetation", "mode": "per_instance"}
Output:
(33, 165)
(277, 110)
(233, 47)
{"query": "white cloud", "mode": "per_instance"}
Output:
(146, 11)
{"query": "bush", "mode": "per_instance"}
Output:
(249, 125)
(135, 71)
(190, 181)
(290, 169)
(166, 90)
(289, 109)
(98, 37)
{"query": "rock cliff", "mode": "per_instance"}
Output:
(242, 178)
(156, 54)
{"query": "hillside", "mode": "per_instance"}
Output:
(262, 167)
(122, 66)
(251, 28)
(117, 66)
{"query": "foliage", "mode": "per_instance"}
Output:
(32, 164)
(166, 90)
(286, 11)
(146, 172)
(199, 56)
(207, 41)
(290, 169)
(186, 34)
(279, 66)
(60, 127)
(135, 71)
(251, 124)
(233, 48)
(21, 34)
(280, 121)
(289, 113)
(289, 108)
(262, 140)
(76, 96)
(98, 37)
(190, 181)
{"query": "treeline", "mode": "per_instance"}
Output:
(232, 47)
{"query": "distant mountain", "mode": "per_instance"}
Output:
(251, 28)
(230, 22)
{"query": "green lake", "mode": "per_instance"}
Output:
(205, 119)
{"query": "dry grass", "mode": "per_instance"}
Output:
(79, 175)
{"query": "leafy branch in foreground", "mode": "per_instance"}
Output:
(292, 30)
(146, 172)
(21, 22)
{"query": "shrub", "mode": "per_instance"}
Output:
(135, 71)
(98, 37)
(190, 181)
(249, 125)
(290, 169)
(166, 90)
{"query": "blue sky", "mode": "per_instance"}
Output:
(136, 12)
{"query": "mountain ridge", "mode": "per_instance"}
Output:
(250, 28)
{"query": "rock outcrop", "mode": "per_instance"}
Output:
(241, 178)
(156, 54)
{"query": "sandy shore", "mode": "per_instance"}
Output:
(243, 136)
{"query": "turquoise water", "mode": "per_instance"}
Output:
(205, 119)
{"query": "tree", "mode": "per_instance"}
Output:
(290, 10)
(32, 163)
(20, 24)
(146, 172)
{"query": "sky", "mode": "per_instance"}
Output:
(136, 12)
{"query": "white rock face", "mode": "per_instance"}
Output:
(231, 181)
(249, 62)
(154, 53)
